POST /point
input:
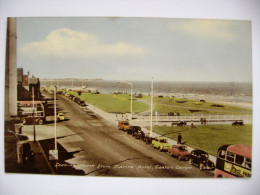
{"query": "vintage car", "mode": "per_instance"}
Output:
(180, 123)
(200, 159)
(37, 120)
(133, 129)
(123, 125)
(139, 134)
(237, 123)
(60, 117)
(180, 151)
(82, 103)
(161, 143)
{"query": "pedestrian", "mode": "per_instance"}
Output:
(21, 129)
(179, 138)
(192, 125)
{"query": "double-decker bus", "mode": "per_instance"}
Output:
(25, 108)
(234, 161)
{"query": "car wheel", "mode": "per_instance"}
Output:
(201, 166)
(154, 147)
(160, 149)
(40, 121)
(190, 161)
(179, 157)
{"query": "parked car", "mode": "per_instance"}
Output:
(161, 143)
(37, 120)
(82, 103)
(60, 117)
(180, 151)
(200, 159)
(237, 123)
(180, 123)
(133, 129)
(123, 125)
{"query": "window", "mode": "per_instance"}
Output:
(239, 159)
(248, 163)
(230, 156)
(222, 154)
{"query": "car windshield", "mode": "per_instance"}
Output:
(125, 123)
(163, 140)
(183, 148)
(205, 155)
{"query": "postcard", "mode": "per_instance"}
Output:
(128, 97)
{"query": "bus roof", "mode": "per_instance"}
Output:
(243, 150)
(30, 102)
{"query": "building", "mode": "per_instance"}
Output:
(34, 85)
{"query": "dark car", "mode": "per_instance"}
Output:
(37, 120)
(180, 123)
(82, 103)
(133, 129)
(200, 159)
(237, 123)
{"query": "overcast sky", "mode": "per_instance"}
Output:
(135, 49)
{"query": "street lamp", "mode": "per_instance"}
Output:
(131, 106)
(55, 119)
(151, 128)
(34, 133)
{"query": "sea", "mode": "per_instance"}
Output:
(223, 91)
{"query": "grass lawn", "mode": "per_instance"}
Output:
(185, 106)
(112, 103)
(209, 137)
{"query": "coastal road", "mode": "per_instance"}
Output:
(106, 151)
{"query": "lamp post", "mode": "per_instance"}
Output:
(131, 106)
(34, 133)
(151, 128)
(55, 120)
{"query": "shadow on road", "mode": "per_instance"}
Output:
(60, 167)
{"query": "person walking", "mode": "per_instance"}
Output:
(179, 138)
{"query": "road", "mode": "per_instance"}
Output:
(106, 151)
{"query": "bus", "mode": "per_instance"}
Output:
(233, 161)
(25, 108)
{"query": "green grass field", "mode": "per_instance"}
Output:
(185, 106)
(121, 104)
(112, 103)
(209, 137)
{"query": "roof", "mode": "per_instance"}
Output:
(199, 151)
(240, 149)
(29, 102)
(33, 81)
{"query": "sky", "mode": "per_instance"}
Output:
(117, 48)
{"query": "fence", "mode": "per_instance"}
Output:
(194, 117)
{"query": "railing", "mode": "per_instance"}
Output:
(195, 117)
